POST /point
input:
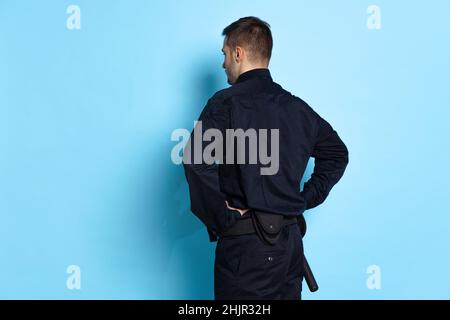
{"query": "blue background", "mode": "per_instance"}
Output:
(86, 117)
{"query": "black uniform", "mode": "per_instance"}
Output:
(245, 267)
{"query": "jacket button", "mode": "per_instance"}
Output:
(270, 226)
(269, 258)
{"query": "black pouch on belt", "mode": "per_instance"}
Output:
(267, 226)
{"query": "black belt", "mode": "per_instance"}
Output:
(246, 226)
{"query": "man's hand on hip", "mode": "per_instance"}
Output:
(241, 211)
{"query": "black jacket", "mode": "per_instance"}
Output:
(255, 101)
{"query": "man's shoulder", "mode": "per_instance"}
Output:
(243, 90)
(227, 93)
(217, 103)
(301, 103)
(291, 100)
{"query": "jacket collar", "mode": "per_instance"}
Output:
(254, 73)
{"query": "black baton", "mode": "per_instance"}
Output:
(309, 277)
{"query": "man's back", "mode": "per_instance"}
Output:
(255, 102)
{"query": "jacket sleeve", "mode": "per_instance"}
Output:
(207, 202)
(330, 161)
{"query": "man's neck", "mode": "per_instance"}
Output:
(253, 66)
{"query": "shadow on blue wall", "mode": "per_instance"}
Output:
(178, 222)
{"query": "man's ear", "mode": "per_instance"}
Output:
(239, 54)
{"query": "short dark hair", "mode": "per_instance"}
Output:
(253, 34)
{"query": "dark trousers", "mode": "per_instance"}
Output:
(247, 268)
